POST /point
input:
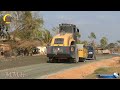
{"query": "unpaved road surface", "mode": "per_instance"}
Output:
(38, 68)
(21, 61)
(84, 70)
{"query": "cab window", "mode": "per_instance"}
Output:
(59, 41)
(89, 48)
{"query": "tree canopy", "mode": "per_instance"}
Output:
(28, 25)
(103, 42)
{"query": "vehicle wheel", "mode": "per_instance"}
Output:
(82, 59)
(49, 61)
(76, 60)
(71, 60)
(55, 61)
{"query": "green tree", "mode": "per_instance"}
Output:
(118, 47)
(28, 25)
(92, 37)
(78, 35)
(25, 24)
(46, 37)
(103, 42)
(113, 46)
(118, 41)
(85, 42)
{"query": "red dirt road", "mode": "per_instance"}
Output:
(84, 70)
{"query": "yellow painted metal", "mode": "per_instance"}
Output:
(68, 38)
(82, 51)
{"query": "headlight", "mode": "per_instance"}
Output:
(72, 49)
(90, 52)
(56, 50)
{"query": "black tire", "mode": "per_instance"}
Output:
(49, 61)
(76, 60)
(71, 60)
(82, 59)
(55, 61)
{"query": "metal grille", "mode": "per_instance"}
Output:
(58, 50)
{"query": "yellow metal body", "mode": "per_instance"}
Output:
(68, 38)
(82, 51)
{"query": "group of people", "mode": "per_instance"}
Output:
(26, 51)
(23, 51)
(19, 52)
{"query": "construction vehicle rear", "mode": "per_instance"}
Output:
(64, 45)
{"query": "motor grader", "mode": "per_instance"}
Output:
(64, 45)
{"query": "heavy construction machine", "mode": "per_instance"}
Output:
(64, 45)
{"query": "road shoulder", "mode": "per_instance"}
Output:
(84, 70)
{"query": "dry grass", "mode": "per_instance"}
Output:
(29, 43)
(105, 70)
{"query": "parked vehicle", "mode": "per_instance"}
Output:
(82, 52)
(91, 53)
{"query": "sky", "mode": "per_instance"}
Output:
(102, 23)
